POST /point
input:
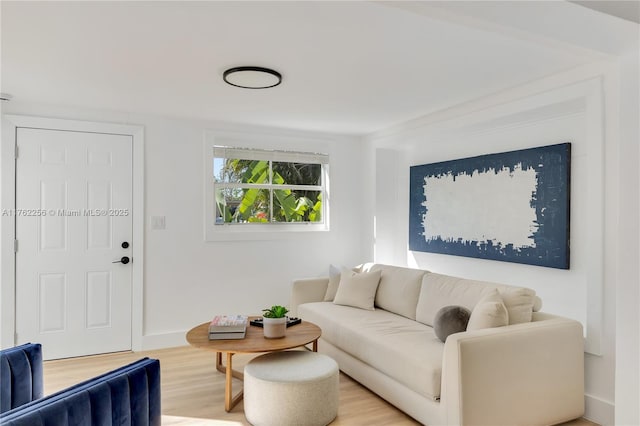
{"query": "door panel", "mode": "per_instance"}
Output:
(98, 299)
(52, 302)
(73, 210)
(99, 227)
(53, 229)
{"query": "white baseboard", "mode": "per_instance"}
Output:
(164, 340)
(599, 410)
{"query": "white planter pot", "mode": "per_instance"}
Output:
(274, 328)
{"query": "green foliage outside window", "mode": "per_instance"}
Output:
(260, 191)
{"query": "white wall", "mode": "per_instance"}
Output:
(188, 280)
(628, 294)
(579, 106)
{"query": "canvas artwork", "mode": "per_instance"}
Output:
(512, 206)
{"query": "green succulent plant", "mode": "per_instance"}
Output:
(276, 311)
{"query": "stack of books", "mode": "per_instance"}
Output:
(228, 327)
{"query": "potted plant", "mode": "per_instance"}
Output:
(274, 321)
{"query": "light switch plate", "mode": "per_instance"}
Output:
(158, 222)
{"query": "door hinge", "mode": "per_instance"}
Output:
(15, 246)
(16, 151)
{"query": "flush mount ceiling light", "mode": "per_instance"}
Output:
(252, 77)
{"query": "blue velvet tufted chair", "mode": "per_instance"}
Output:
(129, 395)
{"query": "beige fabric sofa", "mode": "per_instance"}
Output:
(525, 373)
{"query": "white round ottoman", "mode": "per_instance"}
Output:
(295, 388)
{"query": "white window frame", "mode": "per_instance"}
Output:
(259, 231)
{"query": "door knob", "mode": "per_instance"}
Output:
(124, 260)
(125, 244)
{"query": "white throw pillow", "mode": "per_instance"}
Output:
(357, 290)
(334, 281)
(519, 303)
(537, 304)
(489, 312)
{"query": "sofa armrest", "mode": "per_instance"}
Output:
(307, 290)
(524, 374)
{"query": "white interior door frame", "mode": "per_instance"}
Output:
(10, 123)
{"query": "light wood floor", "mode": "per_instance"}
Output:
(193, 391)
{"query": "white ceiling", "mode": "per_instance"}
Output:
(348, 67)
(629, 9)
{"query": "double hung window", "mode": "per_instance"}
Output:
(260, 187)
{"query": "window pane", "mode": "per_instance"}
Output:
(227, 201)
(296, 173)
(297, 206)
(237, 170)
(242, 205)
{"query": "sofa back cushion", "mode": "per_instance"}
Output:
(438, 291)
(399, 289)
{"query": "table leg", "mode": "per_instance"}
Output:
(219, 365)
(223, 369)
(228, 384)
(315, 345)
(230, 401)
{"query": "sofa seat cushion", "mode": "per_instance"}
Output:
(403, 349)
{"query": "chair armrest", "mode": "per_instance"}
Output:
(529, 373)
(21, 376)
(127, 395)
(306, 291)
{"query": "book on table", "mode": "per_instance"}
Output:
(227, 335)
(228, 327)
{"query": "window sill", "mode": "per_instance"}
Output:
(263, 232)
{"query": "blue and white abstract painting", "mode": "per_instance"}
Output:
(512, 206)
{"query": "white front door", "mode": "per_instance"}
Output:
(73, 220)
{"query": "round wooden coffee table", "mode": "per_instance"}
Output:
(254, 342)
